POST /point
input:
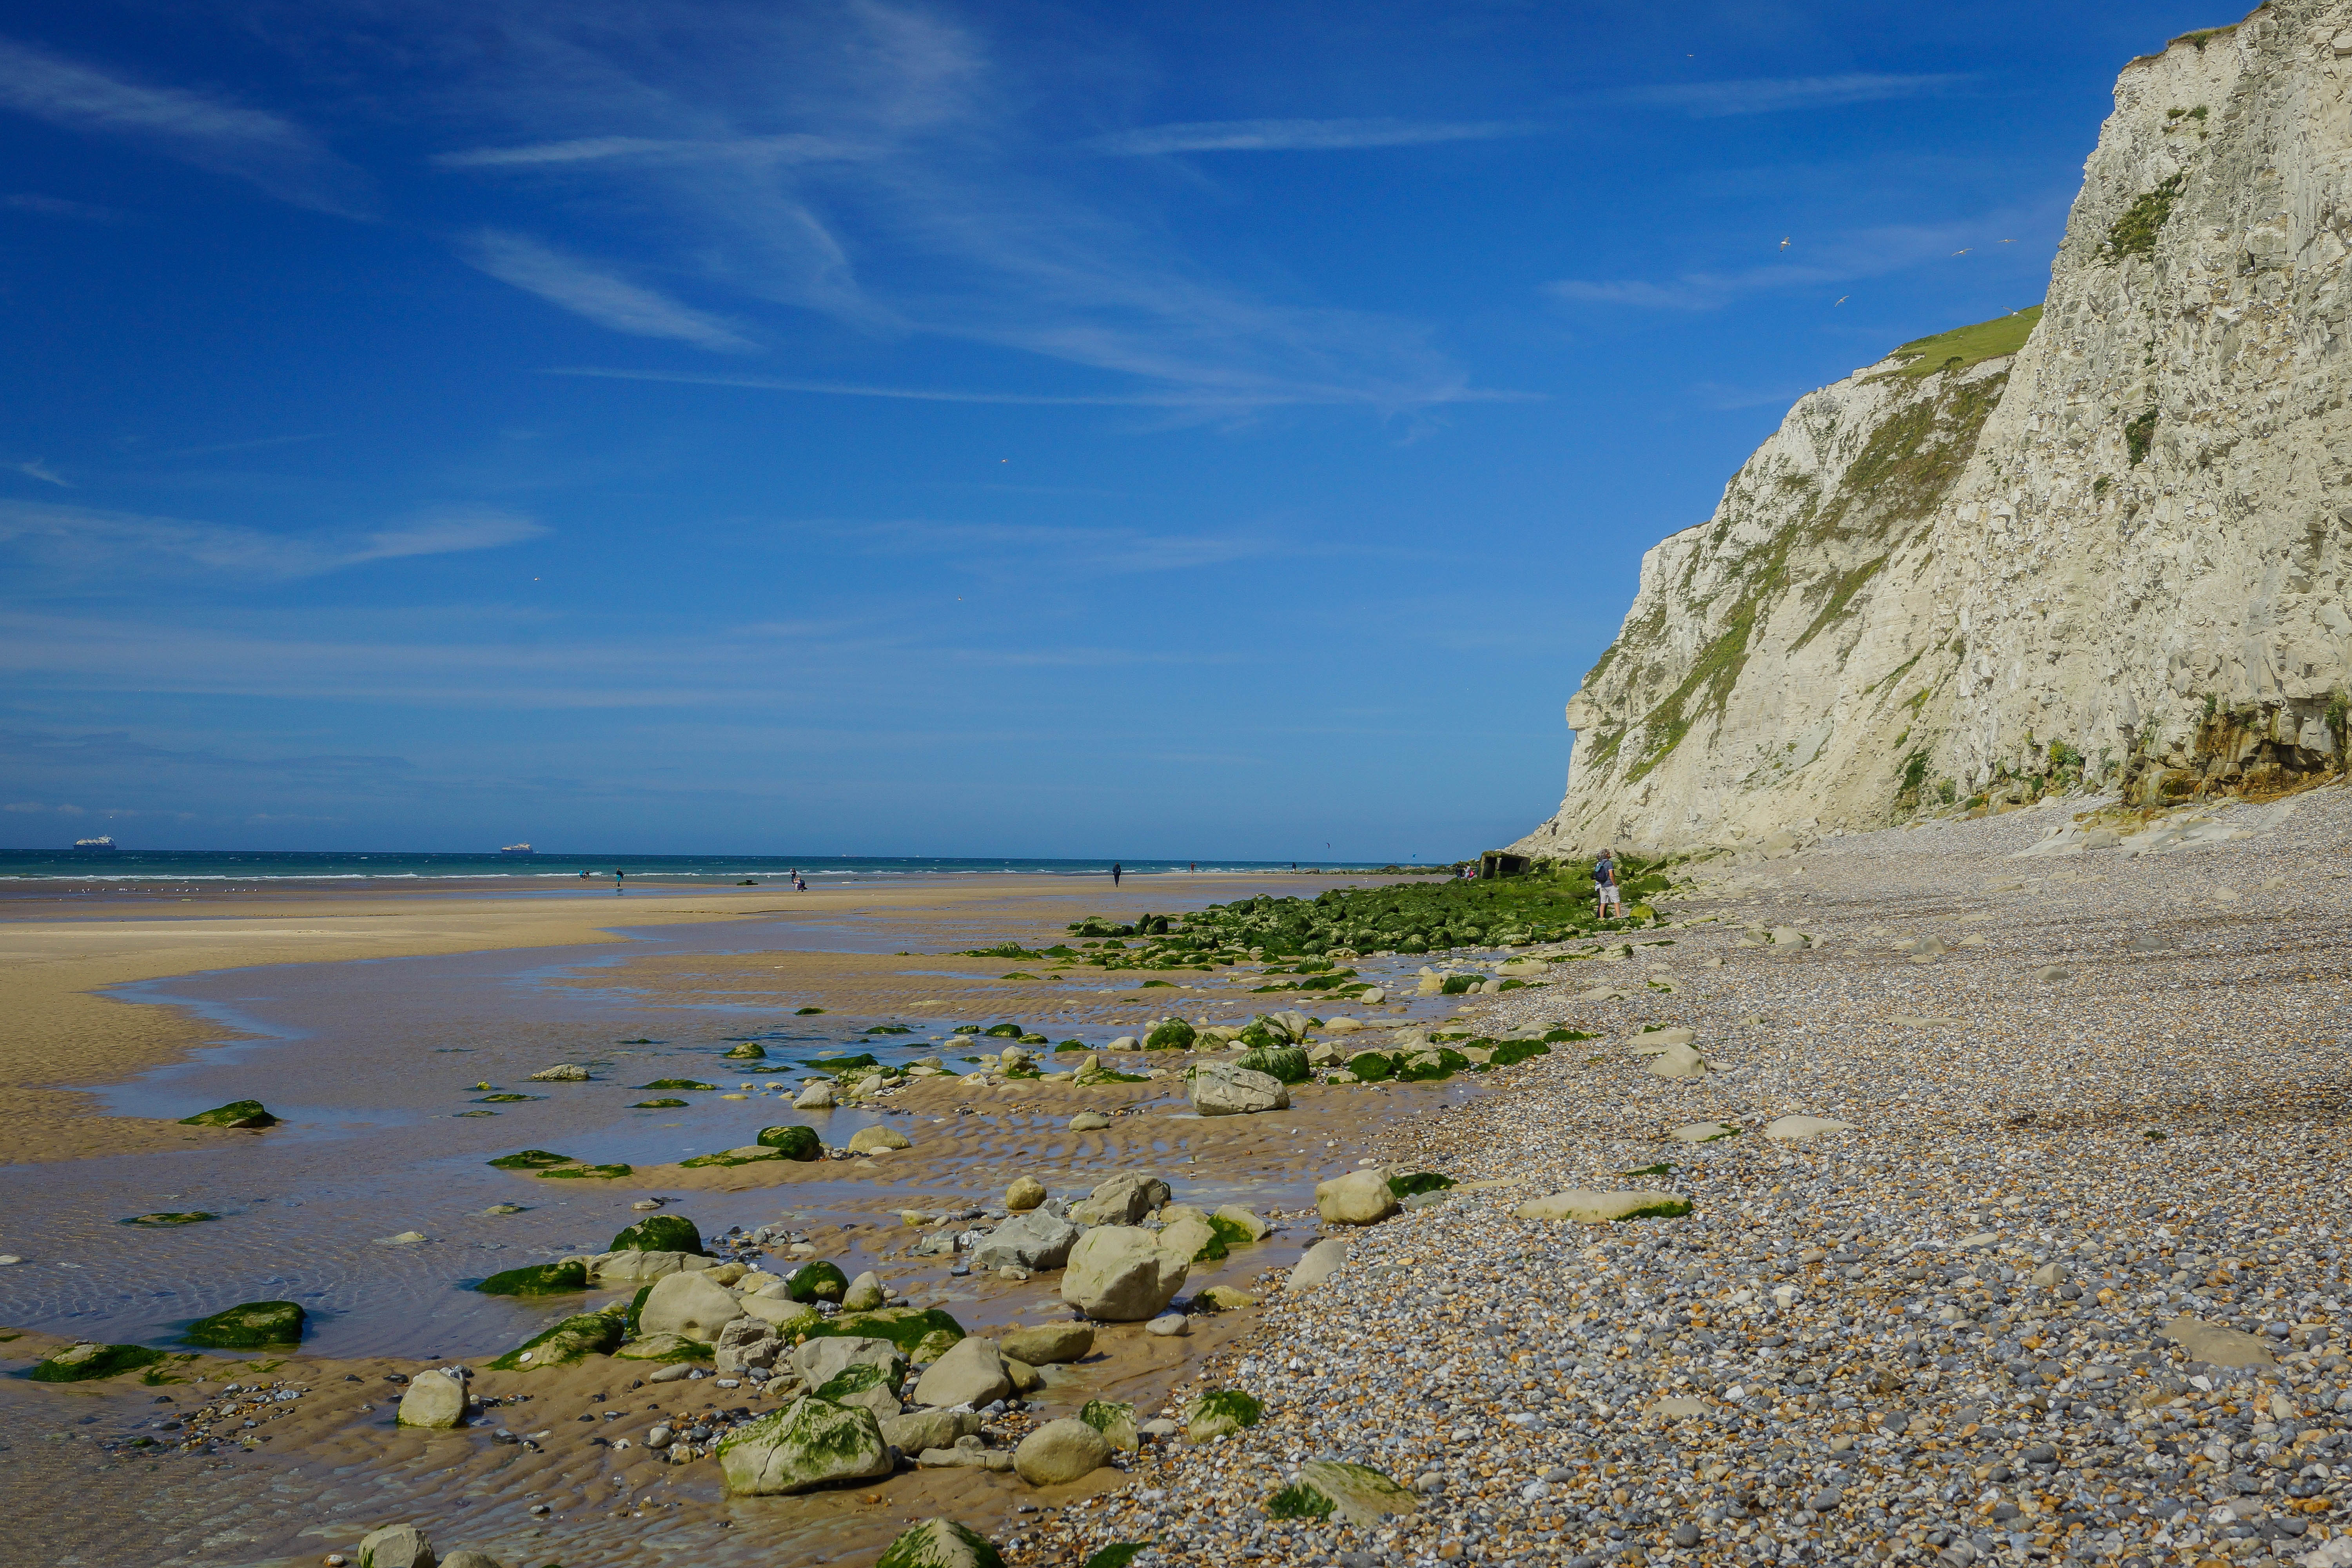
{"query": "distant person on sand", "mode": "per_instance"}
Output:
(1604, 885)
(617, 875)
(1115, 870)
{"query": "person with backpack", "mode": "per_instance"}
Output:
(1605, 886)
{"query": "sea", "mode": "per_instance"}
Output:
(132, 866)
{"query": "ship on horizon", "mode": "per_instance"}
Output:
(101, 845)
(509, 850)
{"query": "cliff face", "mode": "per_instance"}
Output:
(2112, 556)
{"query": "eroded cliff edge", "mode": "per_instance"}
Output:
(2110, 557)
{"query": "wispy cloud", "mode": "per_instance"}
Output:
(608, 300)
(1302, 135)
(1820, 262)
(1772, 95)
(1200, 398)
(1092, 552)
(282, 158)
(80, 538)
(57, 206)
(875, 165)
(793, 148)
(38, 469)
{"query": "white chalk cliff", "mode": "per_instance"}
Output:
(2111, 557)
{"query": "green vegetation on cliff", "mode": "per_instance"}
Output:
(1964, 346)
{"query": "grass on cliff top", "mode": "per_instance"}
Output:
(1967, 345)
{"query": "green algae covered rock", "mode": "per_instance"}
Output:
(809, 1443)
(1417, 1183)
(747, 1051)
(940, 1544)
(189, 1217)
(532, 1160)
(1171, 1035)
(538, 1279)
(252, 1326)
(924, 1335)
(660, 1232)
(1115, 1419)
(657, 1105)
(84, 1361)
(235, 1113)
(594, 1172)
(792, 1141)
(817, 1281)
(1287, 1063)
(570, 1342)
(1355, 1494)
(1219, 1412)
(677, 1083)
(746, 1154)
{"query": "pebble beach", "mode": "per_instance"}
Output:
(2060, 1281)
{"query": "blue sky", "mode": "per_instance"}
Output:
(929, 429)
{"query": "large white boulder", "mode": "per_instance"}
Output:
(1360, 1197)
(435, 1399)
(971, 1373)
(810, 1443)
(687, 1304)
(1221, 1089)
(1121, 1274)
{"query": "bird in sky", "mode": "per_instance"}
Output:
(1842, 299)
(1784, 245)
(2008, 242)
(1964, 251)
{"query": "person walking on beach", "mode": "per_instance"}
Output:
(1113, 873)
(617, 875)
(1604, 885)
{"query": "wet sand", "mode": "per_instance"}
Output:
(368, 1023)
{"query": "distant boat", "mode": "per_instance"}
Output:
(509, 850)
(102, 845)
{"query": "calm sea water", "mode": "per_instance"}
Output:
(289, 865)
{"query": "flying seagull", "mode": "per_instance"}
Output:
(1784, 245)
(1964, 251)
(1841, 300)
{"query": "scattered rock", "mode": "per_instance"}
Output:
(687, 1304)
(1221, 1412)
(1048, 1343)
(792, 1141)
(256, 1325)
(1088, 1121)
(562, 1072)
(1705, 1131)
(1356, 1494)
(1121, 1200)
(940, 1543)
(1360, 1197)
(816, 1096)
(1226, 1298)
(662, 1233)
(1121, 1274)
(810, 1443)
(1591, 1207)
(1024, 1193)
(1802, 1128)
(867, 1140)
(2212, 1343)
(235, 1113)
(1677, 1061)
(1060, 1452)
(817, 1281)
(434, 1399)
(1224, 1089)
(973, 1373)
(1036, 1240)
(1319, 1263)
(395, 1546)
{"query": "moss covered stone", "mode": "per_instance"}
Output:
(255, 1325)
(1287, 1063)
(184, 1216)
(82, 1362)
(1299, 1502)
(1118, 1555)
(677, 1083)
(593, 1172)
(794, 1141)
(1419, 1182)
(940, 1544)
(508, 1098)
(747, 1155)
(660, 1232)
(538, 1279)
(533, 1159)
(1219, 1412)
(843, 1064)
(1115, 1419)
(235, 1113)
(923, 1335)
(747, 1051)
(570, 1342)
(817, 1281)
(1171, 1035)
(657, 1105)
